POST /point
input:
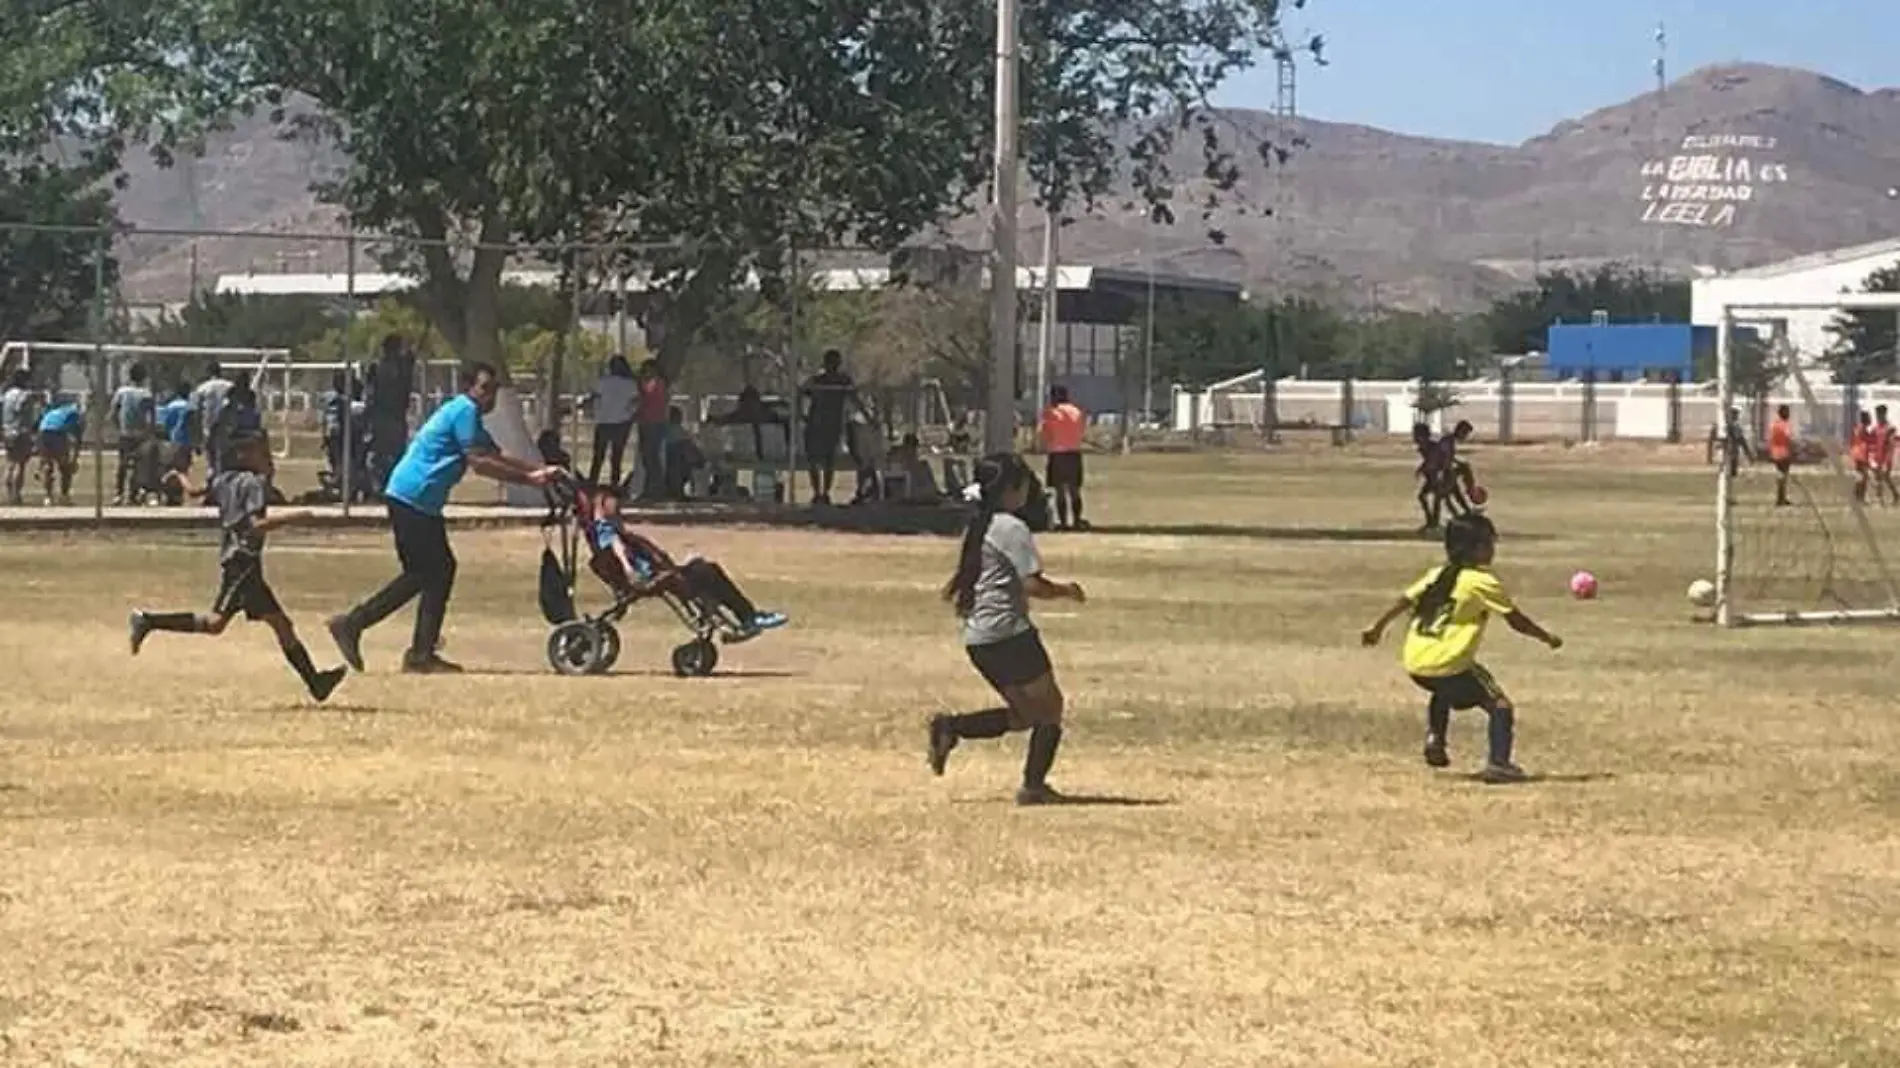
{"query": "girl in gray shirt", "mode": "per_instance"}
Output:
(997, 574)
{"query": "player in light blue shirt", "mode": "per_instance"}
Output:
(61, 430)
(19, 421)
(449, 444)
(174, 421)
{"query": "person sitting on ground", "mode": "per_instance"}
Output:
(920, 482)
(643, 568)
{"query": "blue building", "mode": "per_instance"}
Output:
(1628, 352)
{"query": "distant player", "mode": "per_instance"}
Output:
(1429, 504)
(1860, 450)
(1886, 437)
(62, 429)
(1063, 426)
(174, 423)
(19, 421)
(207, 403)
(1450, 607)
(134, 411)
(1734, 442)
(1781, 441)
(998, 572)
(241, 492)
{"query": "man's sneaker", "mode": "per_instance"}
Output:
(429, 665)
(349, 641)
(1499, 774)
(1082, 526)
(325, 683)
(1039, 795)
(139, 627)
(942, 741)
(1435, 754)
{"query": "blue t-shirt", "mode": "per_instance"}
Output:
(434, 461)
(175, 416)
(63, 419)
(602, 534)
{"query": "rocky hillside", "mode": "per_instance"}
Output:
(1730, 166)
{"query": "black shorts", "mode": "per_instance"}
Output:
(243, 589)
(55, 444)
(1064, 470)
(1013, 661)
(1782, 467)
(821, 441)
(20, 447)
(1473, 688)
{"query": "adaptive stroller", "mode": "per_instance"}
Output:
(590, 644)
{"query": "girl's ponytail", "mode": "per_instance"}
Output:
(1465, 535)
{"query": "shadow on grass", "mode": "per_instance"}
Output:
(1555, 778)
(1075, 800)
(637, 673)
(1387, 535)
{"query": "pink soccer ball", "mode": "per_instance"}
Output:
(1583, 586)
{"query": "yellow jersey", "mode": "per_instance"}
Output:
(1447, 644)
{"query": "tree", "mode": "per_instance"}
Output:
(1519, 322)
(235, 320)
(1196, 345)
(50, 282)
(1863, 346)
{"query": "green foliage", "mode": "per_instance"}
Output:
(1863, 349)
(1519, 323)
(247, 321)
(1198, 346)
(49, 281)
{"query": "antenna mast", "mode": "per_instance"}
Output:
(1661, 67)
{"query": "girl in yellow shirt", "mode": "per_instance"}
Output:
(1450, 607)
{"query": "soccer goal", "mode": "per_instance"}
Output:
(1819, 554)
(1243, 402)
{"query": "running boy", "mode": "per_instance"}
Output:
(18, 421)
(1450, 607)
(62, 428)
(1781, 451)
(1860, 449)
(1429, 504)
(645, 567)
(998, 572)
(1063, 427)
(241, 492)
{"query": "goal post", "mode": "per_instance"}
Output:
(1816, 558)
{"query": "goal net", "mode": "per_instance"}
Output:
(1244, 402)
(1813, 546)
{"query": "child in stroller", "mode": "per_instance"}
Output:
(699, 591)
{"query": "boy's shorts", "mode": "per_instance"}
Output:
(1472, 688)
(54, 444)
(1064, 469)
(242, 588)
(20, 447)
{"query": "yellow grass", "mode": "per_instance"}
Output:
(199, 868)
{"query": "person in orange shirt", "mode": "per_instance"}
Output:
(1063, 424)
(1781, 451)
(1884, 441)
(1860, 449)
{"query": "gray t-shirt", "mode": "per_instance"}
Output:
(16, 412)
(1001, 608)
(207, 402)
(135, 409)
(242, 498)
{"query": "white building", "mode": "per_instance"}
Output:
(1821, 276)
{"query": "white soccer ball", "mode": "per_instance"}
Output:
(1702, 593)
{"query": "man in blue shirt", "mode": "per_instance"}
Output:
(61, 430)
(449, 444)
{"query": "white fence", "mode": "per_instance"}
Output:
(1513, 411)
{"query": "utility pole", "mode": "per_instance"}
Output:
(999, 424)
(1046, 335)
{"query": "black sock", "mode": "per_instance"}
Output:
(179, 622)
(989, 723)
(1042, 754)
(1503, 733)
(299, 658)
(1438, 718)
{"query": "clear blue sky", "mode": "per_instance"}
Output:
(1507, 70)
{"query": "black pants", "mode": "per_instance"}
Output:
(125, 481)
(708, 580)
(610, 440)
(428, 572)
(652, 460)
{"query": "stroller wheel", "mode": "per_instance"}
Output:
(609, 647)
(695, 659)
(576, 648)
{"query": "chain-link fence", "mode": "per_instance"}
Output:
(348, 340)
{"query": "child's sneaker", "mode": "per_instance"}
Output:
(1435, 754)
(942, 741)
(769, 620)
(1039, 795)
(1500, 774)
(138, 629)
(324, 683)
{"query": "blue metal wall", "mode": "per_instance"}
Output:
(1627, 351)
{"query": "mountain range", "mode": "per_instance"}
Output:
(1730, 166)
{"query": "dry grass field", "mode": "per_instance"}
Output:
(197, 867)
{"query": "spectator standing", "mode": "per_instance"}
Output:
(1064, 424)
(207, 403)
(134, 411)
(651, 413)
(614, 397)
(827, 394)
